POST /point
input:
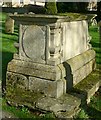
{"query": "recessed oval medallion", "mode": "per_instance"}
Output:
(33, 43)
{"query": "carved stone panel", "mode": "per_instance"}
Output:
(33, 43)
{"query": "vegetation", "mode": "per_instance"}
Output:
(51, 7)
(72, 6)
(94, 108)
(24, 113)
(95, 41)
(98, 11)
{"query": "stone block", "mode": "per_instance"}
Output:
(88, 86)
(77, 68)
(49, 39)
(62, 107)
(73, 33)
(81, 59)
(47, 87)
(16, 80)
(83, 72)
(77, 62)
(33, 69)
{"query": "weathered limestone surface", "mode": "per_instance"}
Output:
(49, 88)
(82, 73)
(70, 69)
(37, 85)
(48, 39)
(34, 43)
(64, 106)
(75, 36)
(54, 55)
(88, 86)
(33, 69)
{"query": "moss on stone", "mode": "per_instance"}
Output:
(18, 96)
(74, 16)
(88, 82)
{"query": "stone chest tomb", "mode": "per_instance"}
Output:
(54, 55)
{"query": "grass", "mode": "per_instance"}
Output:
(96, 43)
(18, 113)
(25, 113)
(7, 46)
(93, 109)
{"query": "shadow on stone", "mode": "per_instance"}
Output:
(68, 77)
(81, 95)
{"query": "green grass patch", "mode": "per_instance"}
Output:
(93, 110)
(8, 48)
(82, 115)
(25, 113)
(18, 113)
(3, 16)
(96, 43)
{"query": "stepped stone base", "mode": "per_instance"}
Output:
(66, 106)
(87, 87)
(53, 81)
(45, 87)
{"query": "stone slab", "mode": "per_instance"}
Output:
(78, 61)
(63, 107)
(75, 37)
(37, 85)
(84, 71)
(74, 78)
(58, 70)
(48, 88)
(34, 69)
(88, 86)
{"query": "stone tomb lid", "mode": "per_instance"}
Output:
(39, 18)
(31, 17)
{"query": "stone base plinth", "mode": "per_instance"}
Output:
(29, 83)
(49, 80)
(66, 106)
(35, 85)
